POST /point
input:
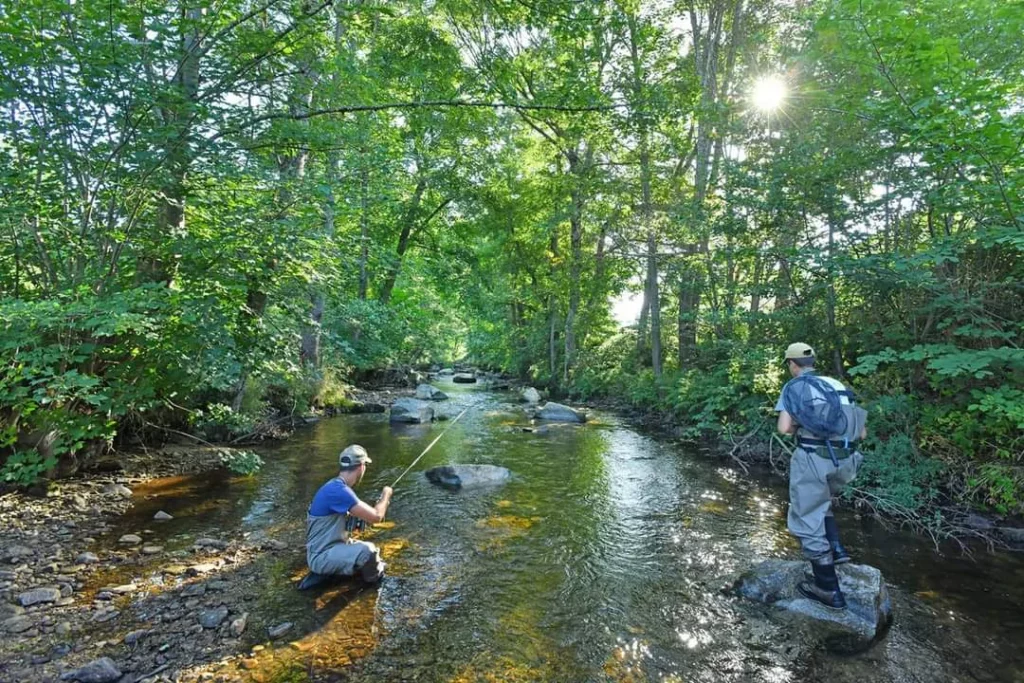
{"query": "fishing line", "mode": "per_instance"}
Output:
(425, 450)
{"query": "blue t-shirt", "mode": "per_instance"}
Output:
(334, 498)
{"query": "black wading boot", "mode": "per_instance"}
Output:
(839, 554)
(372, 570)
(825, 587)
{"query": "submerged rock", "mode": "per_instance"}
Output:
(556, 412)
(460, 476)
(162, 516)
(865, 620)
(411, 411)
(425, 392)
(530, 395)
(38, 595)
(464, 378)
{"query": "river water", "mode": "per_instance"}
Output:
(604, 559)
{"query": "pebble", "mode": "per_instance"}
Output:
(130, 539)
(197, 569)
(211, 543)
(162, 516)
(102, 670)
(18, 624)
(133, 637)
(116, 490)
(279, 630)
(249, 664)
(38, 595)
(238, 625)
(152, 549)
(214, 617)
(105, 615)
(122, 590)
(9, 610)
(87, 558)
(63, 628)
(194, 590)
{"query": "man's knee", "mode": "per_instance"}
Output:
(369, 565)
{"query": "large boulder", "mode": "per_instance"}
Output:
(530, 395)
(425, 392)
(556, 412)
(865, 620)
(462, 476)
(464, 378)
(411, 411)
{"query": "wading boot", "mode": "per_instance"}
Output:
(825, 587)
(372, 571)
(839, 554)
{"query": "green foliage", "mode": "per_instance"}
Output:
(24, 468)
(245, 463)
(896, 476)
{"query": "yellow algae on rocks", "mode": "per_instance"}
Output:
(504, 503)
(502, 528)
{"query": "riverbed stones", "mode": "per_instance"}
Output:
(102, 670)
(38, 595)
(130, 539)
(162, 516)
(152, 549)
(464, 378)
(865, 620)
(556, 412)
(468, 476)
(426, 392)
(530, 395)
(212, 543)
(212, 618)
(237, 626)
(411, 411)
(87, 558)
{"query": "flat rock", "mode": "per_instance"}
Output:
(214, 543)
(425, 392)
(464, 378)
(103, 670)
(462, 476)
(17, 624)
(37, 595)
(152, 549)
(87, 558)
(409, 410)
(279, 630)
(202, 568)
(133, 637)
(212, 618)
(123, 589)
(556, 412)
(130, 539)
(866, 619)
(194, 590)
(116, 491)
(162, 516)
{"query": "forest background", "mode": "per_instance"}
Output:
(212, 211)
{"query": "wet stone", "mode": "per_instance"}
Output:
(18, 624)
(39, 595)
(134, 637)
(116, 491)
(105, 616)
(238, 625)
(194, 590)
(279, 630)
(197, 569)
(162, 516)
(130, 539)
(152, 549)
(214, 543)
(214, 617)
(102, 670)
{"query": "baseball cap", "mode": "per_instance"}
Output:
(799, 350)
(353, 455)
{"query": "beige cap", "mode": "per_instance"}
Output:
(799, 350)
(353, 455)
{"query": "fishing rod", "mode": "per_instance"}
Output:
(427, 449)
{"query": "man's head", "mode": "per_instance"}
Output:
(799, 357)
(352, 462)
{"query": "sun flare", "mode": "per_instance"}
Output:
(769, 93)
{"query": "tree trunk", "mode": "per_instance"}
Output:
(364, 232)
(403, 241)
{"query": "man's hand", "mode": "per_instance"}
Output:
(387, 493)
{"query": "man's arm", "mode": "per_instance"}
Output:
(785, 425)
(375, 514)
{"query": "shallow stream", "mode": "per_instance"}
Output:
(603, 559)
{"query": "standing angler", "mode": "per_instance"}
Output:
(820, 411)
(334, 512)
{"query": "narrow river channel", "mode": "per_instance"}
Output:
(604, 559)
